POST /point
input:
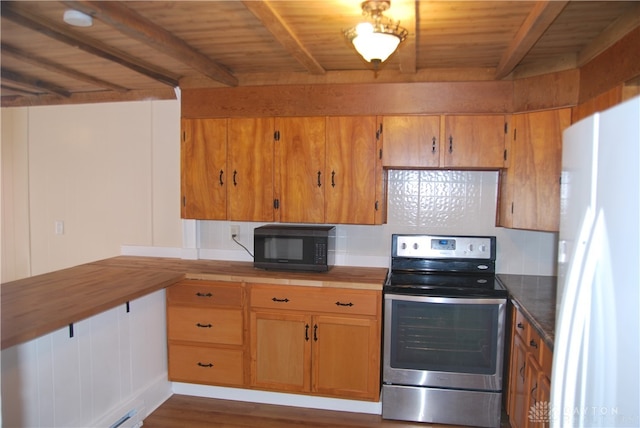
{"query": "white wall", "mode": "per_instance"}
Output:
(437, 202)
(109, 172)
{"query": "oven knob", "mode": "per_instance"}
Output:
(483, 248)
(403, 246)
(415, 246)
(470, 247)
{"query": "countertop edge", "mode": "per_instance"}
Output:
(535, 297)
(25, 323)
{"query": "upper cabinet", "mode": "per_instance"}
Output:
(473, 142)
(251, 169)
(354, 190)
(452, 141)
(203, 159)
(411, 141)
(293, 170)
(530, 187)
(300, 178)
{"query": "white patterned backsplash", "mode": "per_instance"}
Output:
(433, 202)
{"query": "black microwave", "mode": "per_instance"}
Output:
(292, 247)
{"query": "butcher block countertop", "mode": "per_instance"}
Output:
(41, 304)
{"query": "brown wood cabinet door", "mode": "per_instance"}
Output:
(517, 384)
(504, 208)
(300, 178)
(281, 351)
(473, 141)
(250, 160)
(346, 357)
(410, 141)
(536, 165)
(203, 157)
(352, 173)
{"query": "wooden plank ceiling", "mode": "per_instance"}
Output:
(145, 49)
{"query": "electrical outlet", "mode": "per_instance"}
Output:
(234, 231)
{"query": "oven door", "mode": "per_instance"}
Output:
(444, 342)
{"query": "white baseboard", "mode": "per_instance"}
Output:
(265, 397)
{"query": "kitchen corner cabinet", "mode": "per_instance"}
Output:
(529, 195)
(250, 165)
(205, 332)
(530, 374)
(320, 341)
(203, 159)
(450, 141)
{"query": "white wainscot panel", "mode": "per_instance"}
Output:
(114, 363)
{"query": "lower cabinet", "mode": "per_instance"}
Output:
(296, 339)
(529, 378)
(205, 331)
(316, 341)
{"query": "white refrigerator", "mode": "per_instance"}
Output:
(596, 363)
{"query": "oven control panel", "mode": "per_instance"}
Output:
(444, 247)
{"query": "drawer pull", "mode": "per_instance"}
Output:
(205, 365)
(285, 300)
(199, 294)
(204, 325)
(338, 303)
(520, 326)
(533, 344)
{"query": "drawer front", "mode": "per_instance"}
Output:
(205, 365)
(223, 326)
(521, 325)
(541, 351)
(205, 293)
(308, 299)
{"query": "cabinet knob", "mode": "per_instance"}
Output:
(533, 344)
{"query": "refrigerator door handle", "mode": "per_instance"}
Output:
(570, 328)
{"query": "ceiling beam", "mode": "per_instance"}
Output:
(32, 82)
(20, 55)
(20, 91)
(88, 98)
(129, 22)
(13, 11)
(283, 34)
(534, 26)
(614, 32)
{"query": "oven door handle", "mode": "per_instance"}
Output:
(447, 300)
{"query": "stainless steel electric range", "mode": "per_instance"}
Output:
(444, 325)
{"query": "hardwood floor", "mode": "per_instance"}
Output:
(198, 412)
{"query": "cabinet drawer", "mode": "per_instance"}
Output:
(521, 325)
(222, 326)
(205, 365)
(542, 353)
(205, 293)
(332, 300)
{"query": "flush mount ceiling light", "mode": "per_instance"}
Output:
(378, 37)
(77, 18)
